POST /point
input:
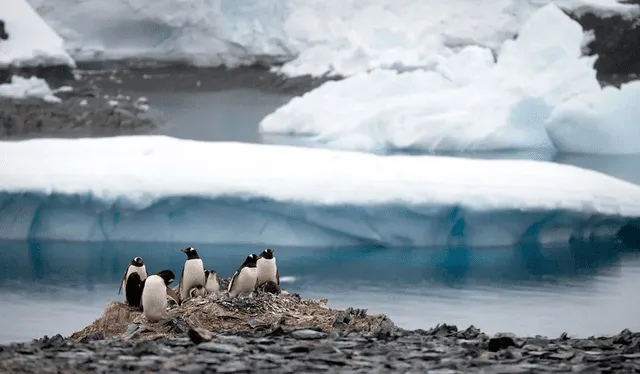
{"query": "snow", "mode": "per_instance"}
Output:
(22, 88)
(540, 94)
(163, 189)
(31, 41)
(317, 37)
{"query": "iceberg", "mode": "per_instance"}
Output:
(540, 94)
(31, 41)
(22, 88)
(315, 37)
(162, 189)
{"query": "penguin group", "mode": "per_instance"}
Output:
(150, 293)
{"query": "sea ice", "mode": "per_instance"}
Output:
(471, 103)
(316, 37)
(22, 88)
(156, 188)
(31, 41)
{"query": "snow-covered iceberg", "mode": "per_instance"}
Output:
(312, 36)
(22, 88)
(539, 94)
(31, 41)
(154, 188)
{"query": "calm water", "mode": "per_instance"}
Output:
(52, 287)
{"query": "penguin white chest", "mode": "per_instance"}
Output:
(142, 272)
(266, 270)
(192, 276)
(154, 298)
(212, 285)
(244, 282)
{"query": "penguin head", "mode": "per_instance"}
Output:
(190, 252)
(167, 276)
(251, 261)
(137, 261)
(267, 253)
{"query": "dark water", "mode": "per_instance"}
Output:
(55, 287)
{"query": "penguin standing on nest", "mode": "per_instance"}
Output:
(245, 279)
(192, 273)
(155, 290)
(132, 280)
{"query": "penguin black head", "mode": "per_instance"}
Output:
(251, 261)
(167, 275)
(137, 261)
(267, 253)
(191, 253)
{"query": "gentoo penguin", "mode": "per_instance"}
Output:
(245, 279)
(211, 282)
(192, 272)
(267, 269)
(155, 290)
(135, 266)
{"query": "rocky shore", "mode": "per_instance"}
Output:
(443, 349)
(285, 333)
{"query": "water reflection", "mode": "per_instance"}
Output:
(529, 289)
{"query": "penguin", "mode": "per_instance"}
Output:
(133, 289)
(211, 282)
(267, 269)
(135, 266)
(197, 291)
(192, 272)
(155, 290)
(245, 279)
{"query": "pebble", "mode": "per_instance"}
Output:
(443, 349)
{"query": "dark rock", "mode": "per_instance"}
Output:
(177, 326)
(92, 337)
(500, 342)
(199, 335)
(4, 35)
(146, 347)
(616, 42)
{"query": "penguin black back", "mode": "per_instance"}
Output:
(134, 290)
(250, 262)
(267, 254)
(191, 253)
(167, 276)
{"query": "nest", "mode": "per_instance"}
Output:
(261, 312)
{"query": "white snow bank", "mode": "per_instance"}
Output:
(471, 103)
(31, 41)
(156, 188)
(22, 88)
(314, 37)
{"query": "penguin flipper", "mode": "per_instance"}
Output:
(181, 276)
(172, 294)
(142, 290)
(235, 275)
(123, 278)
(277, 277)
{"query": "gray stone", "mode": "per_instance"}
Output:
(307, 334)
(233, 367)
(219, 348)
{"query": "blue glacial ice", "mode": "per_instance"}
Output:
(155, 188)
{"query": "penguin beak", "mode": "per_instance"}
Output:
(185, 250)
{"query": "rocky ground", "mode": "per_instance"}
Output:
(287, 334)
(443, 349)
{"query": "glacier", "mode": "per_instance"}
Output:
(163, 189)
(315, 37)
(539, 94)
(31, 41)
